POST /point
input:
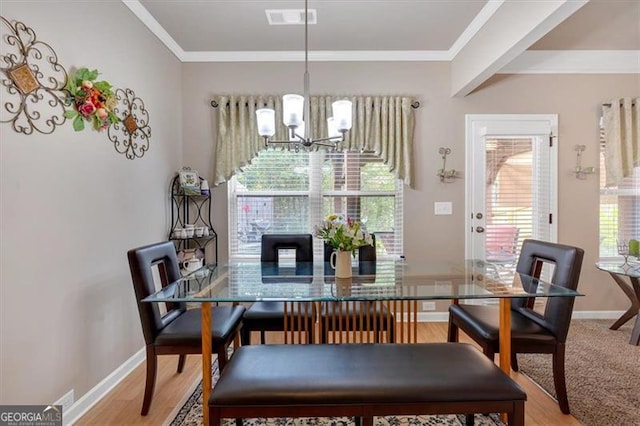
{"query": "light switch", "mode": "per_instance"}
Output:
(442, 208)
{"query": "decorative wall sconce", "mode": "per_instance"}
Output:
(130, 136)
(582, 172)
(444, 174)
(32, 79)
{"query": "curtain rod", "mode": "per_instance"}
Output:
(609, 105)
(414, 105)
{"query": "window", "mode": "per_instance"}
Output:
(619, 209)
(289, 192)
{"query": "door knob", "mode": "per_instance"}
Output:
(479, 229)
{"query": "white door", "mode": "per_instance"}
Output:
(511, 184)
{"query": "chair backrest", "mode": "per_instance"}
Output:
(273, 243)
(141, 263)
(568, 263)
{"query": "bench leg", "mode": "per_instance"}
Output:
(238, 422)
(367, 420)
(214, 417)
(357, 421)
(469, 419)
(516, 418)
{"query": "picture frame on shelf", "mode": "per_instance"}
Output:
(189, 181)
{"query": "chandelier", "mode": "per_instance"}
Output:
(296, 109)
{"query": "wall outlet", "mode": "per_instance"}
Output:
(66, 401)
(428, 306)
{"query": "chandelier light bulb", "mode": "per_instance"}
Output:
(292, 107)
(342, 115)
(332, 128)
(266, 122)
(299, 130)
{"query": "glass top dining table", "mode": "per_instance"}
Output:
(385, 282)
(250, 281)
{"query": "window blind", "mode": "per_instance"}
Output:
(619, 209)
(518, 197)
(285, 191)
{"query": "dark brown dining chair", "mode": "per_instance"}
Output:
(178, 331)
(345, 316)
(269, 316)
(531, 332)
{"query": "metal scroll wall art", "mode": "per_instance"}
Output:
(33, 81)
(130, 136)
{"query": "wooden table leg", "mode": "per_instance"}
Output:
(505, 335)
(206, 360)
(505, 341)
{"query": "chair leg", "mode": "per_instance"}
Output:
(262, 337)
(514, 362)
(151, 379)
(489, 352)
(559, 379)
(392, 330)
(452, 331)
(245, 336)
(181, 359)
(222, 357)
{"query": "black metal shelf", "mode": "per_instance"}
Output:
(196, 210)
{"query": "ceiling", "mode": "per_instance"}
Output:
(241, 25)
(376, 25)
(479, 37)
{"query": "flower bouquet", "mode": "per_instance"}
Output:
(92, 100)
(341, 234)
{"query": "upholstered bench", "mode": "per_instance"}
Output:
(363, 380)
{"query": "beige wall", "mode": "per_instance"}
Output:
(439, 122)
(71, 207)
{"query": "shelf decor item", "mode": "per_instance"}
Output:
(189, 181)
(91, 100)
(33, 81)
(131, 134)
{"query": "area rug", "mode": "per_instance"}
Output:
(602, 373)
(190, 414)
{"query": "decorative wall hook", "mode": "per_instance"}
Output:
(444, 174)
(582, 172)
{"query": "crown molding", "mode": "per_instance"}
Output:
(320, 56)
(575, 62)
(154, 26)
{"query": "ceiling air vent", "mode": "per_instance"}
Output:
(290, 16)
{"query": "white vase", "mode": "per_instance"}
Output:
(341, 261)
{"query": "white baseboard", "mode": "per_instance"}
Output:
(91, 398)
(596, 314)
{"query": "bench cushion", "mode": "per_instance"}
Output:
(361, 373)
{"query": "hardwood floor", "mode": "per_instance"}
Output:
(122, 405)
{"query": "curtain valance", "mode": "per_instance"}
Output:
(382, 124)
(621, 123)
